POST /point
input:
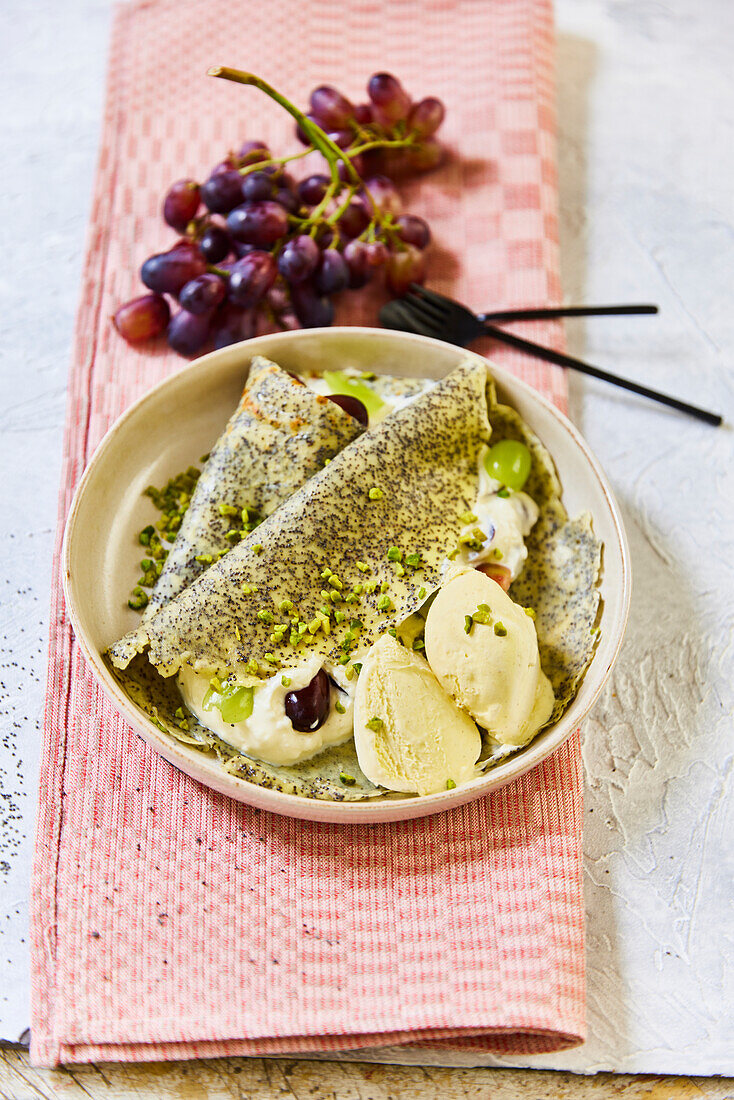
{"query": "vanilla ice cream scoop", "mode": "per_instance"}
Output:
(484, 651)
(409, 735)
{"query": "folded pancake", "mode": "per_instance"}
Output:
(278, 436)
(352, 554)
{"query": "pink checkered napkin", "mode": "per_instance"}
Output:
(168, 921)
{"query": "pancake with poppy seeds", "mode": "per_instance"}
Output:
(349, 556)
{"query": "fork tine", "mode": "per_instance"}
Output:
(430, 295)
(427, 308)
(410, 321)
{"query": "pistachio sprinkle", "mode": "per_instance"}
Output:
(375, 724)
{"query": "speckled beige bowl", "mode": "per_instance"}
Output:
(179, 420)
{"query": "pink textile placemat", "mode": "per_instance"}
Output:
(168, 921)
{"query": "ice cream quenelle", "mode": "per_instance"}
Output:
(483, 649)
(409, 735)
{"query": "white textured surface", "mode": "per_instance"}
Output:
(646, 159)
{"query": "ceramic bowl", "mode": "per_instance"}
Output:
(179, 420)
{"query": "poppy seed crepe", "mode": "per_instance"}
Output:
(365, 539)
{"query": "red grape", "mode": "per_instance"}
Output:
(188, 332)
(376, 253)
(330, 108)
(426, 116)
(202, 293)
(351, 405)
(311, 309)
(258, 223)
(384, 195)
(405, 267)
(181, 203)
(299, 259)
(225, 165)
(332, 274)
(342, 138)
(287, 200)
(167, 272)
(427, 155)
(142, 318)
(252, 152)
(363, 113)
(356, 257)
(221, 193)
(414, 230)
(308, 708)
(391, 101)
(302, 135)
(251, 278)
(215, 244)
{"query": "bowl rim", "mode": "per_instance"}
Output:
(300, 806)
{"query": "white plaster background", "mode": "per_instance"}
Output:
(646, 151)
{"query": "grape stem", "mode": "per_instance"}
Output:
(328, 148)
(399, 143)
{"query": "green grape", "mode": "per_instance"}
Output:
(339, 382)
(233, 703)
(509, 462)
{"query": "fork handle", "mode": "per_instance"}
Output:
(542, 313)
(562, 360)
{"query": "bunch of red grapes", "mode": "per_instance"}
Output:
(259, 250)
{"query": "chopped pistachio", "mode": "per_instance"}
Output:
(183, 724)
(452, 553)
(233, 536)
(500, 630)
(138, 599)
(336, 597)
(285, 605)
(503, 492)
(237, 634)
(357, 666)
(530, 612)
(325, 574)
(325, 625)
(258, 548)
(375, 493)
(302, 627)
(399, 569)
(349, 672)
(357, 589)
(324, 594)
(392, 632)
(229, 510)
(245, 515)
(497, 554)
(384, 587)
(419, 644)
(450, 785)
(370, 587)
(376, 724)
(252, 667)
(205, 559)
(325, 609)
(339, 707)
(271, 658)
(413, 560)
(468, 624)
(421, 593)
(362, 566)
(179, 712)
(343, 660)
(340, 616)
(347, 780)
(395, 554)
(215, 684)
(265, 616)
(350, 636)
(356, 624)
(314, 625)
(467, 517)
(482, 614)
(384, 603)
(335, 582)
(146, 534)
(285, 681)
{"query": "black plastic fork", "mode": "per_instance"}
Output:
(430, 314)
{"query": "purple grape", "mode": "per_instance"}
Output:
(258, 223)
(312, 310)
(215, 244)
(391, 101)
(302, 135)
(308, 708)
(330, 108)
(168, 272)
(188, 332)
(345, 173)
(251, 278)
(384, 195)
(354, 220)
(299, 259)
(377, 253)
(363, 113)
(142, 318)
(342, 138)
(225, 165)
(426, 116)
(312, 190)
(257, 186)
(231, 325)
(357, 260)
(287, 199)
(351, 405)
(221, 193)
(414, 230)
(203, 293)
(253, 152)
(427, 155)
(181, 203)
(332, 274)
